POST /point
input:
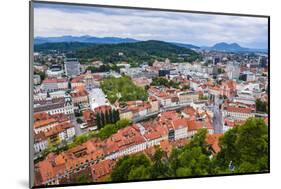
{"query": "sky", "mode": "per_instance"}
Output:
(53, 20)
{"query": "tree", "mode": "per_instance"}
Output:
(159, 168)
(83, 178)
(79, 120)
(106, 117)
(102, 117)
(122, 89)
(139, 173)
(133, 167)
(261, 106)
(246, 146)
(98, 120)
(111, 119)
(115, 115)
(110, 129)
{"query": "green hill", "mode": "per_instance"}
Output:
(139, 52)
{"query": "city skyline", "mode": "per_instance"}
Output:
(193, 28)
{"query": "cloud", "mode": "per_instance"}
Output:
(198, 29)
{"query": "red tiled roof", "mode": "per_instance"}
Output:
(240, 110)
(213, 140)
(102, 169)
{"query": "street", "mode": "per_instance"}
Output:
(217, 120)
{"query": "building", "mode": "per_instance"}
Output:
(102, 169)
(187, 97)
(55, 106)
(155, 106)
(228, 88)
(54, 84)
(89, 117)
(233, 71)
(44, 121)
(80, 97)
(53, 136)
(72, 67)
(77, 81)
(55, 70)
(36, 79)
(238, 113)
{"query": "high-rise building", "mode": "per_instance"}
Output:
(233, 71)
(72, 67)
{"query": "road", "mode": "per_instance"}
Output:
(217, 120)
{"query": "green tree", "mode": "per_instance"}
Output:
(122, 89)
(83, 178)
(98, 120)
(139, 173)
(261, 106)
(159, 168)
(79, 120)
(246, 146)
(133, 167)
(111, 119)
(106, 117)
(102, 118)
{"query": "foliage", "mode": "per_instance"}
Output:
(193, 159)
(261, 106)
(41, 74)
(122, 89)
(246, 146)
(79, 120)
(135, 167)
(110, 116)
(83, 178)
(139, 52)
(110, 129)
(221, 71)
(160, 81)
(104, 68)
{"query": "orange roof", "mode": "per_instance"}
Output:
(102, 169)
(194, 125)
(240, 110)
(46, 170)
(54, 80)
(42, 123)
(213, 140)
(179, 123)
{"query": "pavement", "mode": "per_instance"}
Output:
(217, 120)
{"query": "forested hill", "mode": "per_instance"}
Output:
(145, 51)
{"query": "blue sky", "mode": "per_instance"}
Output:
(199, 29)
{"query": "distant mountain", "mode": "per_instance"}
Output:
(232, 47)
(83, 39)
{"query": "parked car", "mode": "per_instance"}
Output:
(93, 128)
(83, 125)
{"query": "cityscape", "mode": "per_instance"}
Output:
(142, 105)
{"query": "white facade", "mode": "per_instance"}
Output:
(181, 133)
(66, 110)
(44, 128)
(237, 115)
(127, 151)
(40, 146)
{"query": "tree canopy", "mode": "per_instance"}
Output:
(244, 147)
(122, 89)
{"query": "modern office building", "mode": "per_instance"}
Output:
(72, 67)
